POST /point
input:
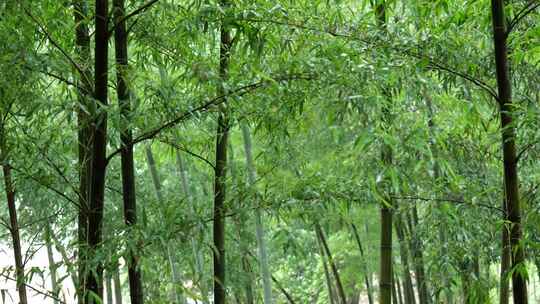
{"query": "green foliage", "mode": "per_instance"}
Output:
(317, 81)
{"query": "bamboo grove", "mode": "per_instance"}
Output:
(231, 151)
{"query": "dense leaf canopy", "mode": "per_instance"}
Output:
(348, 114)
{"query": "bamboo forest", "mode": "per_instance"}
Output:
(270, 151)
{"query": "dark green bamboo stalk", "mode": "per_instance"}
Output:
(508, 135)
(220, 172)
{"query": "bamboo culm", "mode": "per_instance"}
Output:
(259, 226)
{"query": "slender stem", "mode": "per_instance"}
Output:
(14, 230)
(259, 226)
(508, 136)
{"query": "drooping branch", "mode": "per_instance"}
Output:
(524, 149)
(432, 63)
(43, 153)
(241, 91)
(36, 290)
(450, 200)
(54, 42)
(283, 290)
(55, 76)
(529, 8)
(136, 12)
(184, 149)
(46, 186)
(279, 286)
(48, 218)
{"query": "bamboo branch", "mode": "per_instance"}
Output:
(450, 200)
(184, 149)
(55, 76)
(44, 293)
(527, 147)
(137, 11)
(432, 64)
(241, 91)
(53, 42)
(48, 187)
(529, 8)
